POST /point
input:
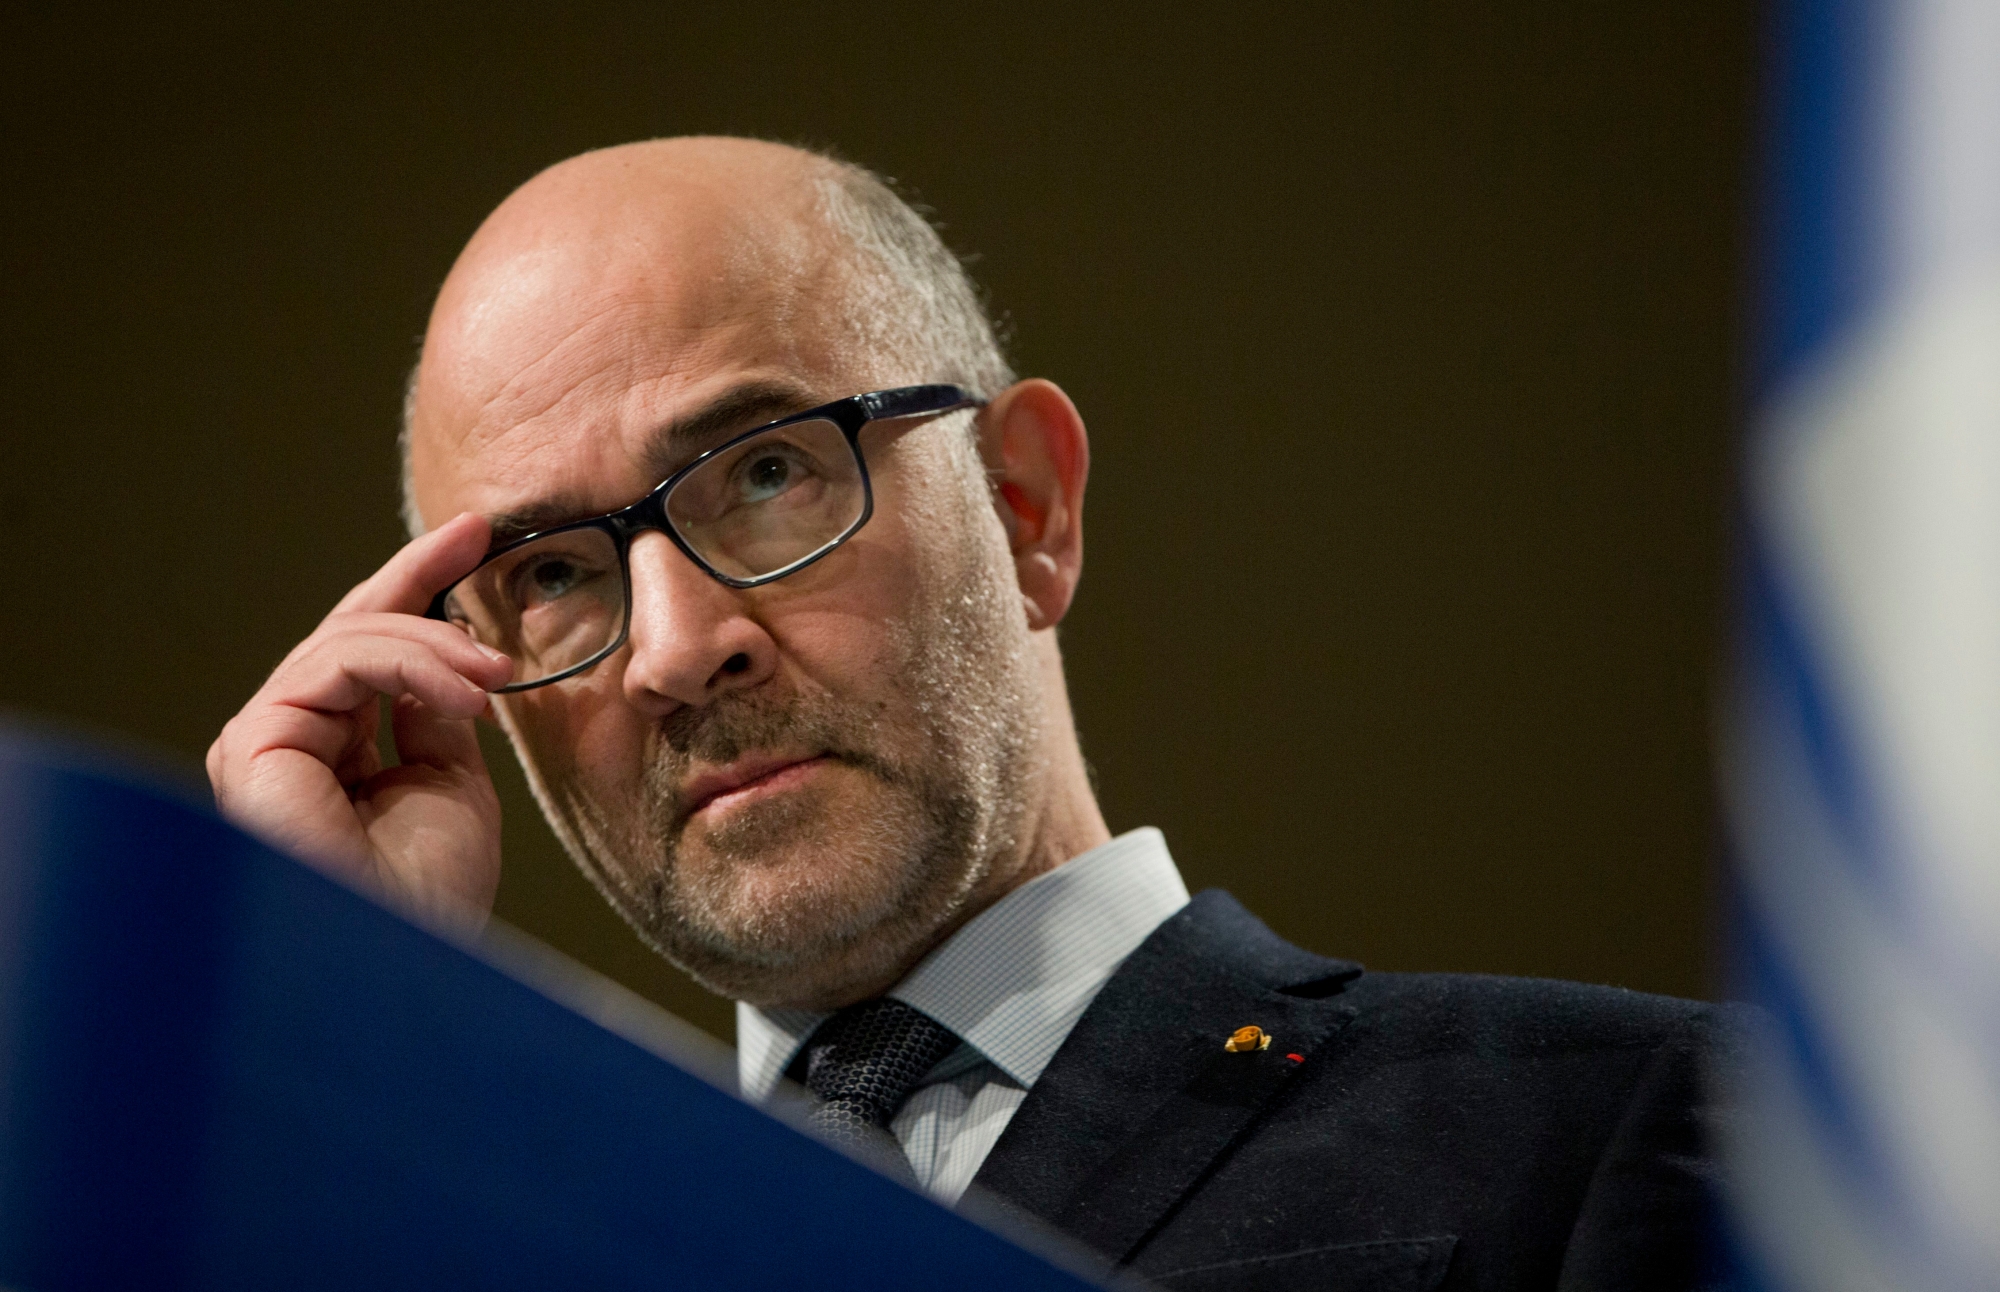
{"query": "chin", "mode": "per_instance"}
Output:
(795, 900)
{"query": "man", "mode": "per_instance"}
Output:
(788, 689)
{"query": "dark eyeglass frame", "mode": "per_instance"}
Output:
(851, 415)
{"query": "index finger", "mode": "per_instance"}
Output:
(422, 568)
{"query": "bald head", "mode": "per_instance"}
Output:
(624, 258)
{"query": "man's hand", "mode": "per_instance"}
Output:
(299, 767)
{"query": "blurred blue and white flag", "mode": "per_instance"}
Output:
(1862, 744)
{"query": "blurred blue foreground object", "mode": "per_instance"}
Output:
(220, 1069)
(1862, 742)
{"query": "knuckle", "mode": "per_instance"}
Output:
(336, 633)
(219, 749)
(430, 632)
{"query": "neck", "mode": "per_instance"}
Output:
(1068, 822)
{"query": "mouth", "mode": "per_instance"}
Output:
(746, 780)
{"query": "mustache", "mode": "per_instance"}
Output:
(727, 728)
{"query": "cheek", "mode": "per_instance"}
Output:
(581, 730)
(851, 621)
(841, 623)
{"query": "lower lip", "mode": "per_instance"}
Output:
(790, 776)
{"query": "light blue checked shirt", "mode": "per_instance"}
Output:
(1011, 983)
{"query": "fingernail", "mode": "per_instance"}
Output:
(476, 688)
(496, 656)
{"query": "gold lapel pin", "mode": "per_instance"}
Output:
(1246, 1039)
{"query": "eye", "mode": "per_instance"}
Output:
(548, 578)
(767, 473)
(552, 578)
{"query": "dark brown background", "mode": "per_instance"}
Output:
(1405, 336)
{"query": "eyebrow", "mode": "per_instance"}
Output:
(669, 447)
(741, 408)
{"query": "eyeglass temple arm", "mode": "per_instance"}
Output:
(912, 400)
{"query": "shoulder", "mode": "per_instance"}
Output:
(1517, 1041)
(1573, 1058)
(1215, 934)
(1481, 1012)
(1493, 1111)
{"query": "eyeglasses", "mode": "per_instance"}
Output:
(762, 505)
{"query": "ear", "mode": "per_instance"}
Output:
(1038, 458)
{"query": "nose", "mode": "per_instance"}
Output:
(692, 638)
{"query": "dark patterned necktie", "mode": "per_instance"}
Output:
(861, 1064)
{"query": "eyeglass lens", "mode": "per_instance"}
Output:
(751, 511)
(548, 605)
(771, 501)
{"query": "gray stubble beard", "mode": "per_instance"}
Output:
(956, 806)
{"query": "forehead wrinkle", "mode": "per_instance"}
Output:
(575, 425)
(563, 311)
(713, 263)
(604, 344)
(540, 454)
(629, 342)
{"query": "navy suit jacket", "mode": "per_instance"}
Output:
(1403, 1131)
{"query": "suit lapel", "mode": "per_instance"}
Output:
(1142, 1100)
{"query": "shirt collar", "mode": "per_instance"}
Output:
(1016, 978)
